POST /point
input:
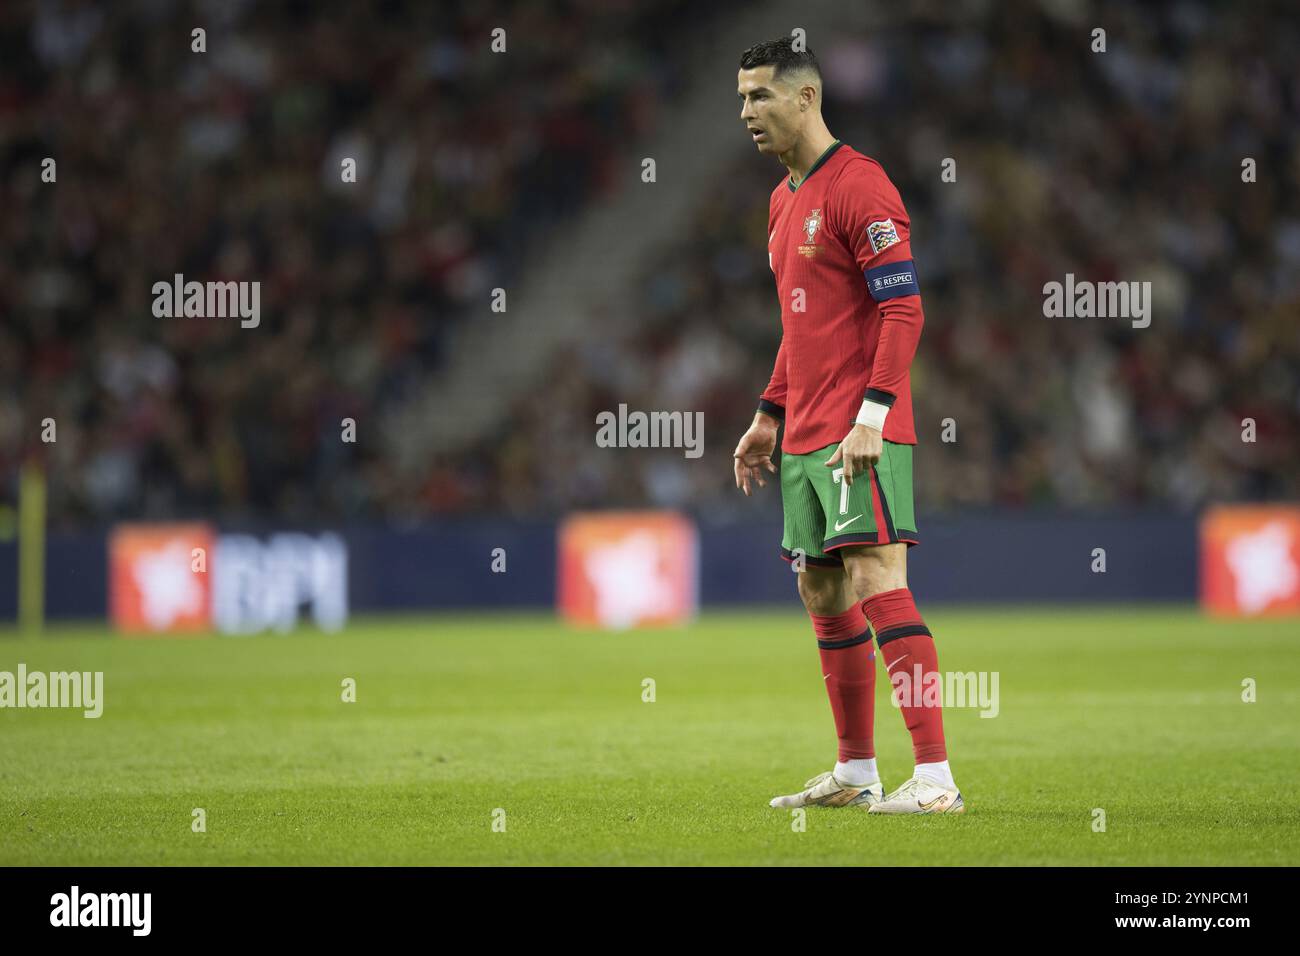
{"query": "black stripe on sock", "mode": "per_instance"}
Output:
(863, 638)
(903, 630)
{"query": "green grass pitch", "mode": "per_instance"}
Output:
(1137, 711)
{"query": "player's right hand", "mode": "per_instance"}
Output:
(753, 454)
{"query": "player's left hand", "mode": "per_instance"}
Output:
(860, 450)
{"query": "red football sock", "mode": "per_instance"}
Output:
(849, 669)
(905, 643)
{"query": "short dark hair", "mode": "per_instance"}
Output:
(780, 54)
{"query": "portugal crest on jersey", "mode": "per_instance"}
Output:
(810, 227)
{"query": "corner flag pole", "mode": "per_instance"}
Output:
(31, 549)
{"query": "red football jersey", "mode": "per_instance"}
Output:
(850, 304)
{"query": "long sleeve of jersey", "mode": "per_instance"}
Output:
(876, 227)
(900, 332)
(772, 401)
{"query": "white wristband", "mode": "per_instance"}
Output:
(872, 414)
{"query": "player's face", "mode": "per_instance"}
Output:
(769, 110)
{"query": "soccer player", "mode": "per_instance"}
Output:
(851, 318)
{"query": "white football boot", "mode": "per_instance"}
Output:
(920, 796)
(824, 790)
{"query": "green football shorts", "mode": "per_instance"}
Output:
(824, 513)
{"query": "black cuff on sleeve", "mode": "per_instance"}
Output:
(771, 408)
(879, 397)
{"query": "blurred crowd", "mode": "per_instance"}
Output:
(227, 165)
(1125, 165)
